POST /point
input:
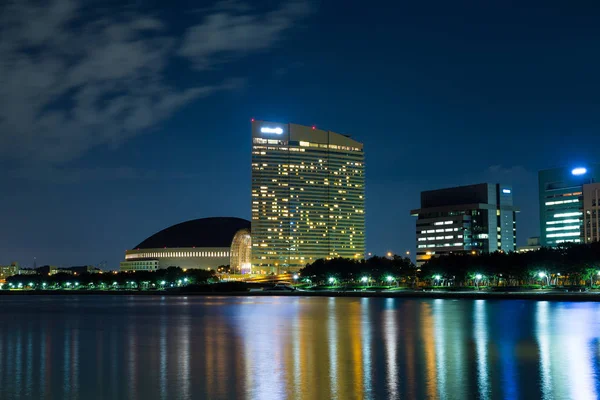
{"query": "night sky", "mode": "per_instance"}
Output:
(118, 121)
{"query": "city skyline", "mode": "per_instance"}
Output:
(441, 95)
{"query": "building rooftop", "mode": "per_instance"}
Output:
(204, 232)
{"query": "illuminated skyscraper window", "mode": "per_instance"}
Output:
(308, 196)
(563, 216)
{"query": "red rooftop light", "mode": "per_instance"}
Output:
(252, 120)
(314, 127)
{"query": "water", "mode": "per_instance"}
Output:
(104, 347)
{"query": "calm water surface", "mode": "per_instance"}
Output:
(101, 347)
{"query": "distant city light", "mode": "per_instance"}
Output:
(295, 276)
(579, 171)
(277, 131)
(506, 191)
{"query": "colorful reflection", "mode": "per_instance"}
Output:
(297, 348)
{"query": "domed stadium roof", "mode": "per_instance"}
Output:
(204, 232)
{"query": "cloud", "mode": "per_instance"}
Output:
(72, 78)
(232, 32)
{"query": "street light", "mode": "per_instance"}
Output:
(543, 275)
(477, 279)
(390, 278)
(331, 280)
(295, 277)
(437, 278)
(389, 253)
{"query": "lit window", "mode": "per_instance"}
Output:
(570, 214)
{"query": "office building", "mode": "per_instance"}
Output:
(467, 219)
(561, 199)
(8, 270)
(205, 243)
(308, 196)
(591, 212)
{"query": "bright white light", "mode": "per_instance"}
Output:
(564, 234)
(295, 276)
(563, 228)
(579, 171)
(437, 277)
(564, 221)
(389, 278)
(364, 279)
(569, 214)
(331, 280)
(478, 276)
(277, 131)
(506, 191)
(552, 203)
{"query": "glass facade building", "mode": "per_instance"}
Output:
(475, 219)
(563, 217)
(308, 196)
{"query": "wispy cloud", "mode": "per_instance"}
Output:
(232, 31)
(72, 78)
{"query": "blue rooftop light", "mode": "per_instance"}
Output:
(579, 171)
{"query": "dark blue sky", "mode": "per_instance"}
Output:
(118, 121)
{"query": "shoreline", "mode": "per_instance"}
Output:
(545, 296)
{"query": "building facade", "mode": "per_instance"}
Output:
(205, 243)
(8, 270)
(533, 244)
(308, 196)
(475, 219)
(561, 199)
(591, 212)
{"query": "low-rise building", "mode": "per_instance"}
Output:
(9, 270)
(205, 243)
(533, 244)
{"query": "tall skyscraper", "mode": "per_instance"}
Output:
(566, 197)
(308, 196)
(475, 219)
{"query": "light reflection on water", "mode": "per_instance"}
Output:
(296, 348)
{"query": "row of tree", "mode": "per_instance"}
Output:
(375, 269)
(570, 264)
(162, 278)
